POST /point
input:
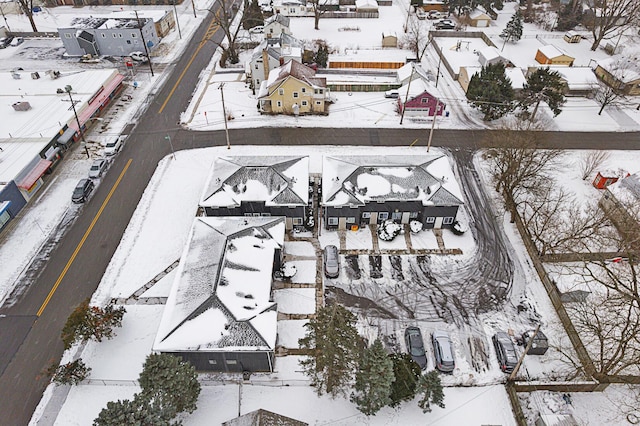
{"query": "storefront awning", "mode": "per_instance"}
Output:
(4, 205)
(67, 136)
(36, 173)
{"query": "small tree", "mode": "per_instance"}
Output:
(513, 30)
(71, 373)
(321, 56)
(332, 340)
(490, 91)
(169, 381)
(543, 85)
(406, 374)
(91, 322)
(430, 389)
(592, 160)
(373, 380)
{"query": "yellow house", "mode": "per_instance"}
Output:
(293, 89)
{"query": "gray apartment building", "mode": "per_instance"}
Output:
(108, 36)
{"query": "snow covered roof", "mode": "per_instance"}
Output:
(551, 51)
(366, 4)
(294, 69)
(263, 418)
(577, 78)
(405, 71)
(625, 68)
(516, 76)
(280, 19)
(17, 154)
(416, 88)
(356, 180)
(105, 22)
(277, 181)
(479, 14)
(221, 296)
(490, 53)
(627, 190)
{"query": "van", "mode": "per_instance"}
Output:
(331, 262)
(443, 351)
(505, 351)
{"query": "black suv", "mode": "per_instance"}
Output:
(82, 191)
(505, 351)
(5, 41)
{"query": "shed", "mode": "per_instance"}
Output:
(491, 55)
(551, 55)
(540, 344)
(366, 6)
(606, 178)
(478, 18)
(572, 37)
(389, 39)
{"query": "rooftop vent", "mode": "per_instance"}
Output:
(21, 106)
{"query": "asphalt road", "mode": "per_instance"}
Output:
(30, 328)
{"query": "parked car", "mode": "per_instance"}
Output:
(98, 168)
(505, 351)
(443, 351)
(258, 29)
(415, 346)
(434, 14)
(16, 41)
(331, 262)
(113, 147)
(138, 56)
(5, 41)
(393, 94)
(82, 191)
(445, 25)
(420, 13)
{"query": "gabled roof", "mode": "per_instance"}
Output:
(221, 296)
(551, 51)
(264, 418)
(417, 88)
(405, 71)
(280, 19)
(366, 4)
(293, 69)
(275, 180)
(283, 45)
(479, 14)
(356, 180)
(626, 68)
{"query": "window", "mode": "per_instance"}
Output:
(424, 100)
(396, 215)
(67, 35)
(366, 215)
(332, 220)
(303, 90)
(128, 41)
(231, 361)
(297, 221)
(257, 66)
(280, 92)
(318, 103)
(248, 214)
(265, 214)
(133, 35)
(212, 362)
(279, 103)
(431, 219)
(119, 35)
(103, 35)
(305, 103)
(114, 35)
(383, 215)
(295, 95)
(413, 215)
(256, 215)
(447, 220)
(351, 220)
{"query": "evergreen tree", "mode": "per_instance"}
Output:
(406, 374)
(252, 15)
(490, 91)
(543, 85)
(169, 382)
(373, 380)
(70, 373)
(430, 389)
(569, 16)
(321, 56)
(136, 412)
(91, 322)
(332, 341)
(513, 30)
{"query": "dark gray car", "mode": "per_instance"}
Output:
(505, 351)
(415, 346)
(82, 191)
(443, 351)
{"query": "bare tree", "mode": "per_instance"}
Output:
(319, 9)
(592, 160)
(416, 38)
(557, 223)
(604, 17)
(518, 165)
(224, 18)
(27, 8)
(606, 95)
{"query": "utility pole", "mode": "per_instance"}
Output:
(167, 137)
(5, 18)
(224, 112)
(512, 376)
(433, 123)
(406, 98)
(68, 89)
(144, 43)
(175, 12)
(194, 8)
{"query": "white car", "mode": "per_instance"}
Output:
(113, 147)
(17, 41)
(138, 56)
(420, 13)
(98, 167)
(258, 29)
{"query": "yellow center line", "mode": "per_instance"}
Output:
(213, 24)
(84, 238)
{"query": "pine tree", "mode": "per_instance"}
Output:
(490, 91)
(513, 30)
(70, 373)
(322, 54)
(430, 389)
(543, 85)
(91, 322)
(406, 374)
(373, 380)
(136, 412)
(252, 15)
(169, 381)
(332, 340)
